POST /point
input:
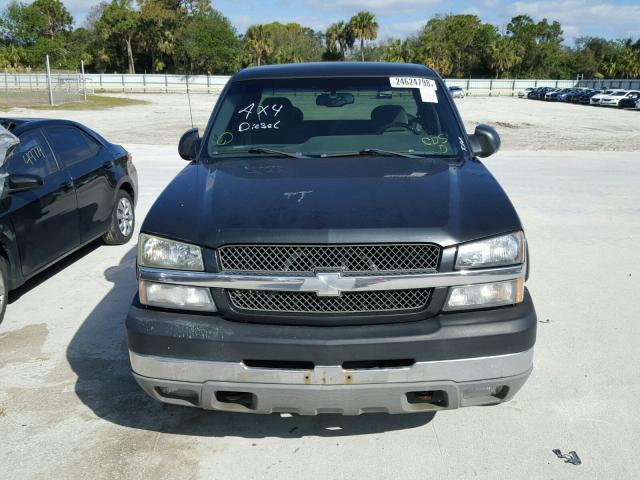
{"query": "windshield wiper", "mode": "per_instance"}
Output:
(275, 152)
(258, 150)
(370, 151)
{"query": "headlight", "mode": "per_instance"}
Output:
(163, 253)
(485, 295)
(181, 297)
(492, 252)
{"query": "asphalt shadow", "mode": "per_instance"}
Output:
(99, 357)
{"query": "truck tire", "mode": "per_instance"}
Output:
(4, 289)
(122, 220)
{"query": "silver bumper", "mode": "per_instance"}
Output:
(332, 389)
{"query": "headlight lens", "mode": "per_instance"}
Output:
(181, 297)
(163, 253)
(492, 252)
(485, 295)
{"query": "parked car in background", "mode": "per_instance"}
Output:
(575, 96)
(554, 95)
(566, 96)
(292, 267)
(629, 100)
(457, 92)
(614, 99)
(585, 98)
(64, 186)
(539, 93)
(595, 100)
(525, 92)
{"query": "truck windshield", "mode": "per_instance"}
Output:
(324, 116)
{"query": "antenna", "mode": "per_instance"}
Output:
(189, 100)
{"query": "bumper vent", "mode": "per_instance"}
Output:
(348, 302)
(344, 258)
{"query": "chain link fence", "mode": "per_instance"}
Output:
(39, 88)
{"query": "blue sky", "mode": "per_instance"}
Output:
(399, 18)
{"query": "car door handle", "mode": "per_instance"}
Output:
(108, 164)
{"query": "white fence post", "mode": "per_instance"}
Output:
(84, 80)
(49, 81)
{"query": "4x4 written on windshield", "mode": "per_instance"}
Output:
(268, 112)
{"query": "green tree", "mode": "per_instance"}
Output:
(54, 17)
(158, 23)
(118, 23)
(503, 55)
(339, 39)
(208, 43)
(398, 51)
(538, 44)
(292, 42)
(363, 26)
(258, 43)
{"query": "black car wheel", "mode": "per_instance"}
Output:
(4, 292)
(123, 220)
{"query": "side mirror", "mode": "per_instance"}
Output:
(189, 144)
(22, 183)
(485, 141)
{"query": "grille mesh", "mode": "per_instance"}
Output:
(346, 258)
(348, 302)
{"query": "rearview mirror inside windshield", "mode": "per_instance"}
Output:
(334, 100)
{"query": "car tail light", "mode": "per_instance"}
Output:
(129, 157)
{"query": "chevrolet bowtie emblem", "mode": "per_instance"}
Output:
(328, 284)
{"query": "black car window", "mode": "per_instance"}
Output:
(32, 156)
(72, 145)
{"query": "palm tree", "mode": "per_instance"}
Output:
(339, 38)
(398, 51)
(503, 55)
(258, 41)
(364, 26)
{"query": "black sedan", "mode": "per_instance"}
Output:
(539, 93)
(63, 186)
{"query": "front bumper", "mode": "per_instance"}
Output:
(462, 359)
(424, 386)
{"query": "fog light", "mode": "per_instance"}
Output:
(485, 391)
(164, 295)
(483, 395)
(485, 295)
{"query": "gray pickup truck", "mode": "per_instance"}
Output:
(334, 245)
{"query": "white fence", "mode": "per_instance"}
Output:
(160, 83)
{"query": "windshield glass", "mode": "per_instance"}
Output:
(323, 116)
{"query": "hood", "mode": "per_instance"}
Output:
(334, 200)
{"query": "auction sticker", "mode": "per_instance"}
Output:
(426, 86)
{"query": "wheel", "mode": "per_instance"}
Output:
(4, 292)
(122, 221)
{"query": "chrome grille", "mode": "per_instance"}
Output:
(348, 302)
(396, 258)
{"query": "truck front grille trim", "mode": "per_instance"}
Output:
(349, 259)
(349, 302)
